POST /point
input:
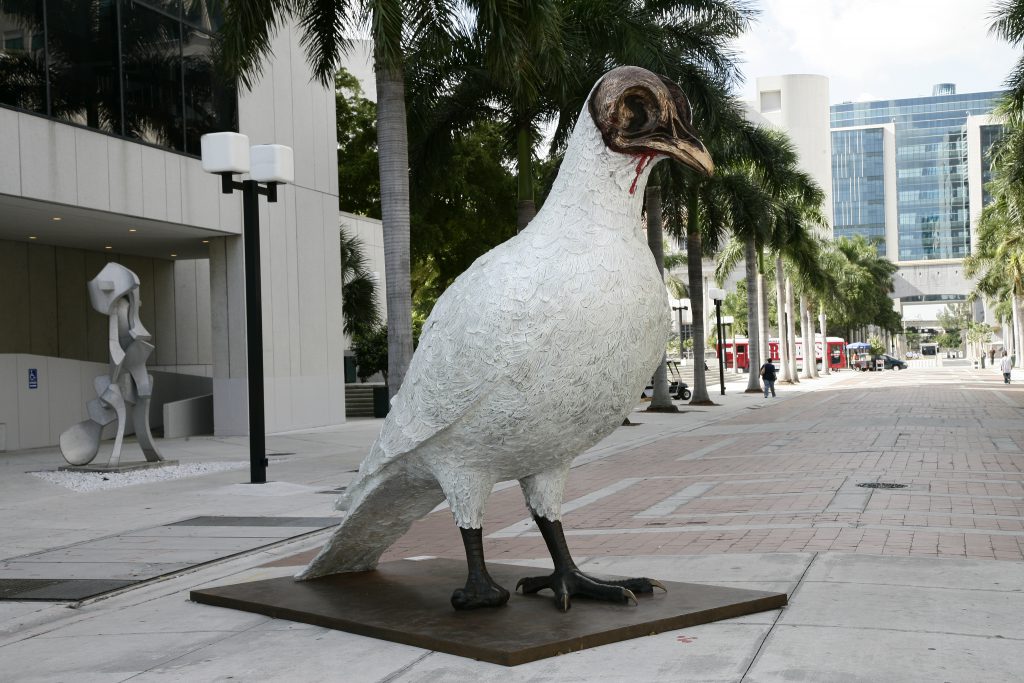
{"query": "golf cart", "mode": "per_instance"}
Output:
(677, 388)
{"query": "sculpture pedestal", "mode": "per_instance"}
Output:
(120, 467)
(408, 602)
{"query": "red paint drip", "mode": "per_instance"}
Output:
(644, 159)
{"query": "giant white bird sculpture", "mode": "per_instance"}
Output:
(534, 354)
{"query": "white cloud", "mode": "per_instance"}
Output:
(893, 48)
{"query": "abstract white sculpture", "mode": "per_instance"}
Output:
(115, 293)
(533, 355)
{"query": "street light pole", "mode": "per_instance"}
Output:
(679, 312)
(718, 295)
(227, 154)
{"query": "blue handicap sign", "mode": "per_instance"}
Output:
(33, 378)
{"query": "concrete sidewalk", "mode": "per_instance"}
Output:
(918, 584)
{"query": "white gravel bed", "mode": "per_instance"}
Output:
(83, 482)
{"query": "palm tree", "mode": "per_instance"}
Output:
(768, 200)
(999, 258)
(246, 39)
(1008, 24)
(358, 289)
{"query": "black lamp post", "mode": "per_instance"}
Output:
(718, 295)
(268, 166)
(679, 311)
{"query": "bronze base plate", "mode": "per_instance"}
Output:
(407, 602)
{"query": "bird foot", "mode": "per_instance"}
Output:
(569, 582)
(479, 592)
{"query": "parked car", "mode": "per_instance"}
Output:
(893, 363)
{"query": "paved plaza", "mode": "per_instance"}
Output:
(918, 576)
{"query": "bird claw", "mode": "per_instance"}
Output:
(657, 584)
(569, 583)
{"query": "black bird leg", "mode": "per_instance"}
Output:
(567, 580)
(480, 589)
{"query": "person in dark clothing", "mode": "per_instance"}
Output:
(768, 376)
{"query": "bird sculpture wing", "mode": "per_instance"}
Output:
(472, 350)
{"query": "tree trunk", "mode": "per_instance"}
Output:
(661, 402)
(393, 147)
(814, 342)
(780, 303)
(526, 208)
(753, 333)
(791, 331)
(807, 336)
(695, 278)
(762, 307)
(824, 341)
(1018, 328)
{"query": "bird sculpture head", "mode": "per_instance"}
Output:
(645, 115)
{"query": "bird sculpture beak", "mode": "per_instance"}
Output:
(641, 113)
(681, 143)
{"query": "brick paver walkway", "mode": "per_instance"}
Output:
(782, 476)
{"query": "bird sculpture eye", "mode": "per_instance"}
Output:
(639, 113)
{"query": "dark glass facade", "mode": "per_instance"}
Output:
(931, 167)
(142, 69)
(858, 184)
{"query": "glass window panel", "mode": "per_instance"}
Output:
(205, 15)
(82, 45)
(171, 7)
(210, 100)
(151, 53)
(22, 71)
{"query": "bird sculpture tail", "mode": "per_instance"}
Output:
(381, 507)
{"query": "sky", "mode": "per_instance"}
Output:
(877, 49)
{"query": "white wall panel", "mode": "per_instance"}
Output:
(125, 161)
(277, 305)
(199, 195)
(47, 160)
(202, 312)
(154, 184)
(10, 153)
(165, 314)
(10, 409)
(73, 306)
(312, 299)
(172, 175)
(65, 405)
(34, 413)
(92, 170)
(186, 331)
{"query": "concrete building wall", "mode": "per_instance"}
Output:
(799, 105)
(50, 328)
(975, 180)
(47, 312)
(303, 342)
(52, 164)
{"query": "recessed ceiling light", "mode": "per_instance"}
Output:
(108, 247)
(57, 218)
(206, 241)
(174, 255)
(32, 237)
(132, 230)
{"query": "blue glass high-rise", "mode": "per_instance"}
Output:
(931, 171)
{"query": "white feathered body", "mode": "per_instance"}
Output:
(534, 354)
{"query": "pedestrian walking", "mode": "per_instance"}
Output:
(768, 375)
(1005, 366)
